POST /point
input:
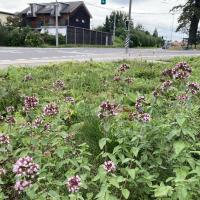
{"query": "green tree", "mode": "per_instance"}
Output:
(189, 19)
(155, 33)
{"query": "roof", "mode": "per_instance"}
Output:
(6, 13)
(64, 7)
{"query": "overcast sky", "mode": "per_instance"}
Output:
(143, 12)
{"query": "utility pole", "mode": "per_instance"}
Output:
(114, 26)
(57, 42)
(172, 27)
(127, 42)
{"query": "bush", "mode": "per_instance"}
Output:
(34, 39)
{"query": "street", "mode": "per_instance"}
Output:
(38, 56)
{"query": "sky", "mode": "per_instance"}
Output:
(150, 13)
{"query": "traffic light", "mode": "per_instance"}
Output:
(103, 2)
(127, 25)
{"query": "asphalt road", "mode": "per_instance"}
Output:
(37, 56)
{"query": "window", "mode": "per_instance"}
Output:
(77, 20)
(83, 21)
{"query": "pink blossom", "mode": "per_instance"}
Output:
(21, 185)
(73, 183)
(70, 100)
(2, 171)
(47, 127)
(108, 109)
(59, 84)
(30, 102)
(166, 85)
(10, 109)
(109, 166)
(129, 80)
(139, 104)
(194, 88)
(28, 77)
(123, 68)
(37, 122)
(26, 167)
(144, 117)
(10, 120)
(50, 109)
(183, 97)
(4, 139)
(117, 78)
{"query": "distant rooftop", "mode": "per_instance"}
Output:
(6, 13)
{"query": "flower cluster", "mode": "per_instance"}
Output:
(4, 139)
(142, 117)
(108, 109)
(28, 77)
(183, 97)
(117, 78)
(10, 109)
(165, 85)
(123, 68)
(10, 120)
(50, 109)
(70, 100)
(129, 80)
(47, 127)
(180, 71)
(138, 105)
(73, 183)
(21, 185)
(26, 167)
(109, 166)
(37, 122)
(2, 171)
(30, 102)
(59, 84)
(194, 88)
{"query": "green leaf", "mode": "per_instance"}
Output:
(60, 152)
(131, 173)
(102, 142)
(113, 181)
(54, 194)
(125, 193)
(180, 120)
(163, 191)
(178, 147)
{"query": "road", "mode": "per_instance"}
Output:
(38, 56)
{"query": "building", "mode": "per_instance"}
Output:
(4, 16)
(69, 14)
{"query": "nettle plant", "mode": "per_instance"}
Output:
(147, 151)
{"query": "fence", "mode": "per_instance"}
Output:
(76, 35)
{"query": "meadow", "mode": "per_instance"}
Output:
(105, 131)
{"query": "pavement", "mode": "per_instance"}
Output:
(40, 56)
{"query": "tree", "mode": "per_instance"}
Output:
(14, 21)
(155, 33)
(189, 19)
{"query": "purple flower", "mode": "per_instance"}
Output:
(183, 97)
(26, 167)
(109, 166)
(10, 120)
(59, 84)
(30, 102)
(73, 183)
(117, 78)
(4, 139)
(50, 109)
(108, 109)
(166, 85)
(2, 171)
(138, 105)
(70, 100)
(47, 127)
(37, 122)
(129, 80)
(28, 77)
(144, 117)
(123, 68)
(10, 109)
(21, 185)
(194, 88)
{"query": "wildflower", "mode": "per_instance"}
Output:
(4, 139)
(183, 97)
(138, 104)
(109, 166)
(166, 85)
(28, 77)
(2, 171)
(47, 127)
(25, 167)
(194, 88)
(156, 93)
(59, 84)
(30, 102)
(129, 80)
(50, 109)
(108, 109)
(21, 185)
(37, 122)
(117, 78)
(123, 68)
(10, 120)
(70, 100)
(144, 117)
(10, 109)
(73, 183)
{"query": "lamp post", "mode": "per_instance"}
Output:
(57, 42)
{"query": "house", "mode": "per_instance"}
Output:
(69, 14)
(4, 16)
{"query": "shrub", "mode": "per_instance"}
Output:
(34, 39)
